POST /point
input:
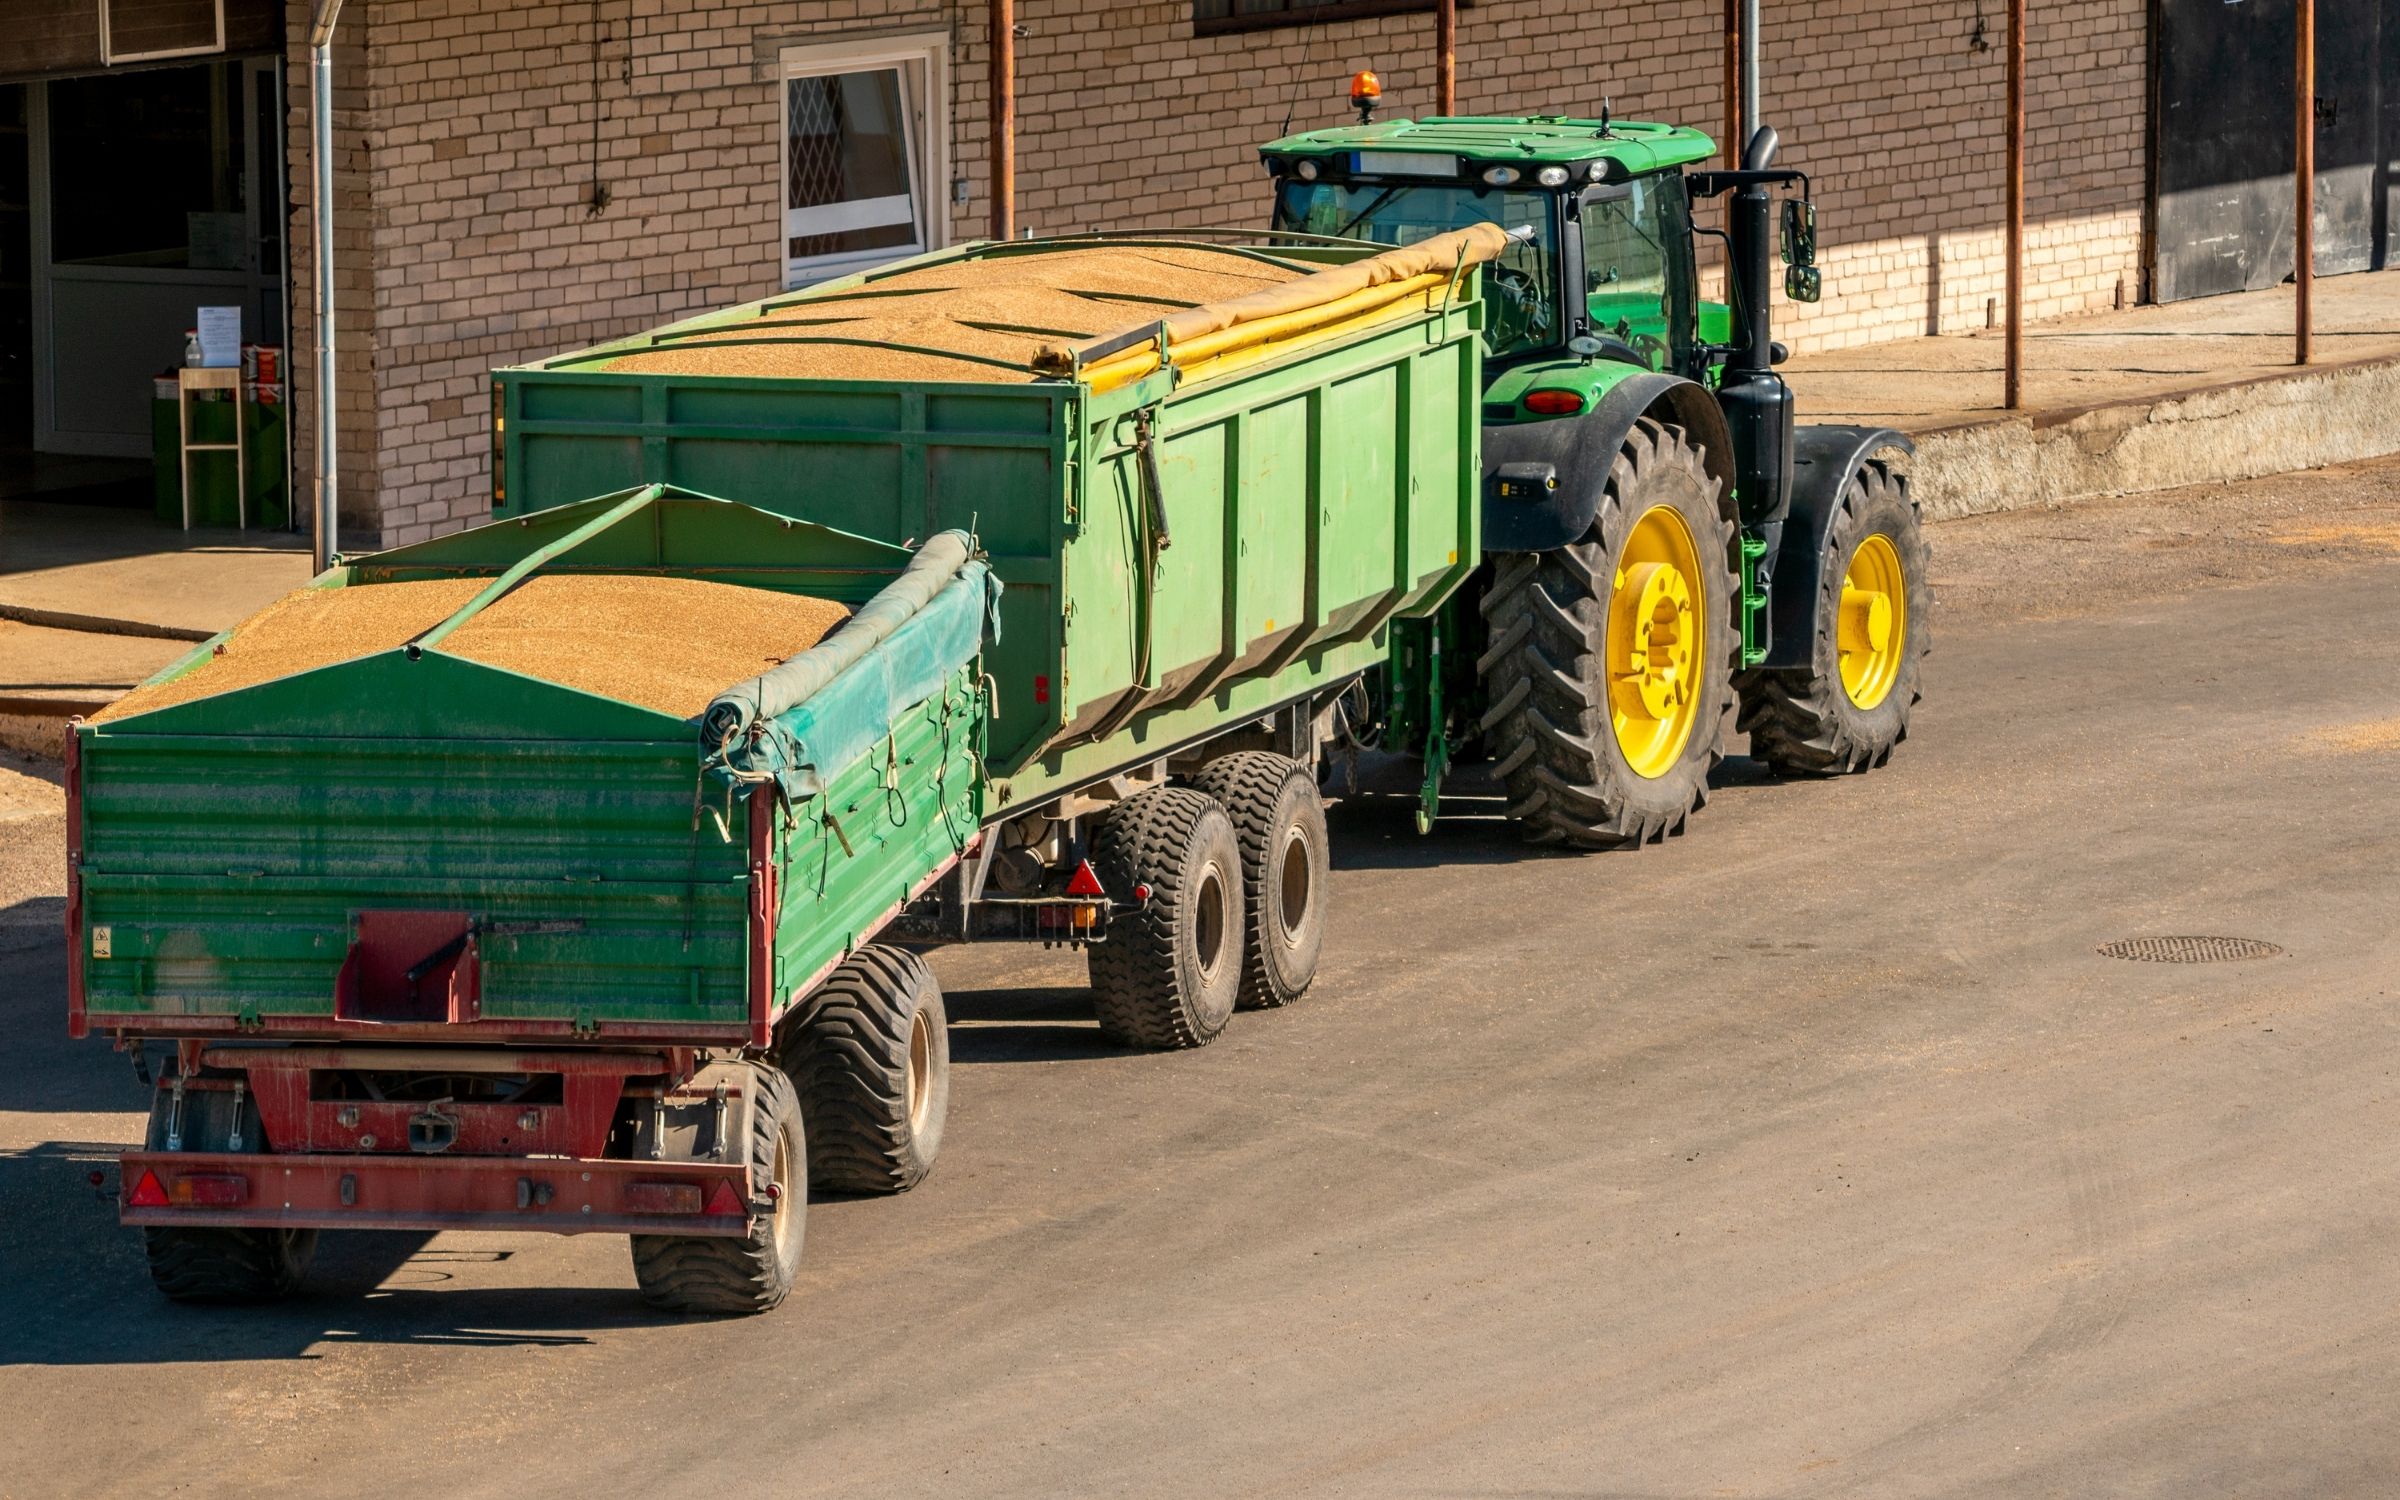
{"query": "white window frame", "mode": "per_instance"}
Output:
(922, 59)
(111, 56)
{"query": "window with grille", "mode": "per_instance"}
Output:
(863, 144)
(1210, 17)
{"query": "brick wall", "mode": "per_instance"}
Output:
(472, 134)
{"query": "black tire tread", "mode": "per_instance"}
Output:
(228, 1265)
(1144, 839)
(848, 1056)
(1800, 720)
(1544, 716)
(724, 1276)
(1249, 784)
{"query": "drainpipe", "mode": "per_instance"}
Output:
(1004, 119)
(320, 118)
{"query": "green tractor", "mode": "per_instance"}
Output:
(1665, 549)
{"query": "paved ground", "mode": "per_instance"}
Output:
(1816, 1154)
(2141, 353)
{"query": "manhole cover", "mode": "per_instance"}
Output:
(2188, 950)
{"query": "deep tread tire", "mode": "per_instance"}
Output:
(228, 1265)
(712, 1275)
(1546, 724)
(1800, 721)
(849, 1052)
(1168, 974)
(1279, 820)
(221, 1265)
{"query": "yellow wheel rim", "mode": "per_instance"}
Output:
(1657, 641)
(1873, 630)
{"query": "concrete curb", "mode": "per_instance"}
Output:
(59, 619)
(2271, 425)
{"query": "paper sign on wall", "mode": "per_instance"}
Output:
(220, 337)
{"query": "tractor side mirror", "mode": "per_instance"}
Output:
(1799, 233)
(1803, 283)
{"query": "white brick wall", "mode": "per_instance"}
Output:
(470, 134)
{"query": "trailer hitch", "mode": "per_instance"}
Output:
(430, 1130)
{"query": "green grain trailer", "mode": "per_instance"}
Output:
(442, 945)
(1206, 530)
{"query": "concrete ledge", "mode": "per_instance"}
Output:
(2272, 425)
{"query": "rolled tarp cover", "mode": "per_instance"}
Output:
(804, 720)
(1437, 256)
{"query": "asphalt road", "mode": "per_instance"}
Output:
(1818, 1153)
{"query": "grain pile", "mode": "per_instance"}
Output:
(303, 631)
(1004, 307)
(669, 644)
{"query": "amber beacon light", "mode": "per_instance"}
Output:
(1366, 91)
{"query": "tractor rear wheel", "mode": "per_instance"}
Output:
(753, 1273)
(869, 1054)
(220, 1265)
(1848, 709)
(1608, 676)
(1167, 973)
(1279, 820)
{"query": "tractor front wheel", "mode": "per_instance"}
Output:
(1848, 708)
(1609, 670)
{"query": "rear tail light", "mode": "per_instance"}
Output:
(211, 1189)
(722, 1199)
(1554, 403)
(146, 1192)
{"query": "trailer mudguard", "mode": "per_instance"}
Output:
(1823, 460)
(1578, 452)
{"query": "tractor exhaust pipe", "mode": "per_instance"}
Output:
(1756, 402)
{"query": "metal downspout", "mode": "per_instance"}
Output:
(320, 112)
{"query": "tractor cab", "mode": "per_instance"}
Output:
(1668, 548)
(1606, 252)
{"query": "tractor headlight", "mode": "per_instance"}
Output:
(1306, 170)
(1552, 177)
(1500, 176)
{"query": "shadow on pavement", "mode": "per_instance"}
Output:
(74, 1286)
(1014, 1026)
(78, 1292)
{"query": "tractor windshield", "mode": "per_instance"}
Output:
(1520, 288)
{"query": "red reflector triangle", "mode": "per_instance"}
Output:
(147, 1193)
(722, 1199)
(1085, 882)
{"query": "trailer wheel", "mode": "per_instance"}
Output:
(220, 1265)
(1168, 973)
(869, 1054)
(709, 1274)
(1609, 673)
(1848, 709)
(1279, 820)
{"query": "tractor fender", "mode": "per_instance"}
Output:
(1823, 461)
(1579, 451)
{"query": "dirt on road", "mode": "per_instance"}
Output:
(1822, 1152)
